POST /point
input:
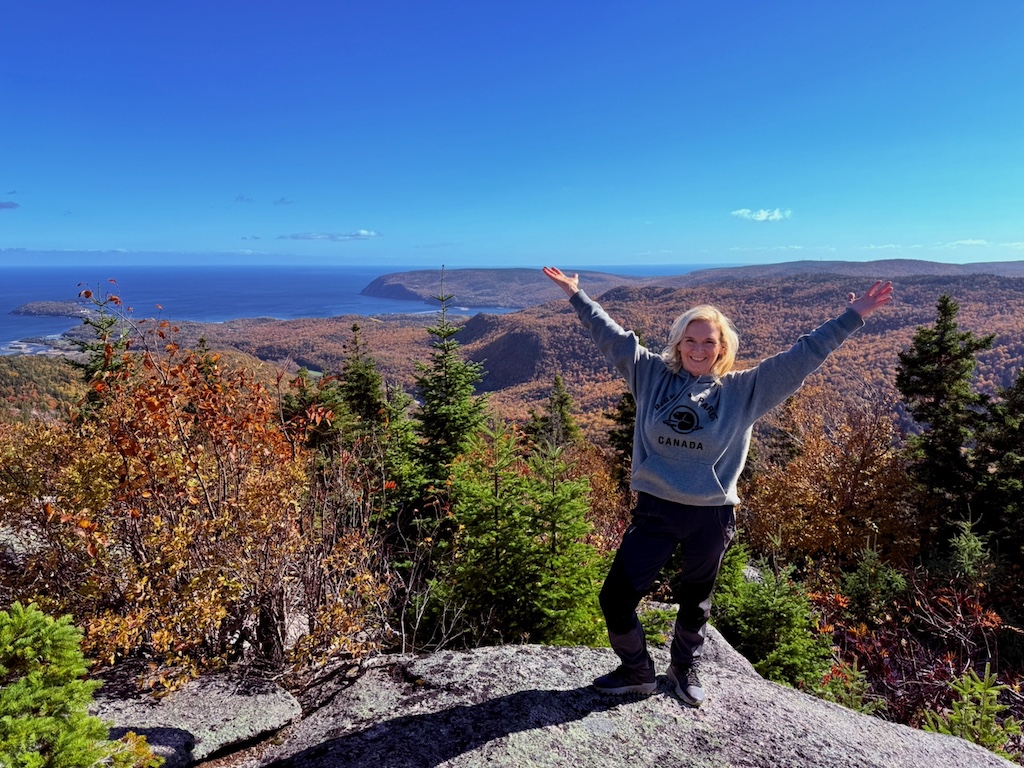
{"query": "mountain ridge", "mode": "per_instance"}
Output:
(517, 288)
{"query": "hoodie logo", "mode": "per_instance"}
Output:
(683, 420)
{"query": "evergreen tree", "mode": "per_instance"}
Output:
(314, 406)
(519, 567)
(362, 386)
(620, 436)
(934, 377)
(1001, 455)
(556, 424)
(569, 578)
(449, 411)
(106, 353)
(771, 622)
(400, 445)
(44, 700)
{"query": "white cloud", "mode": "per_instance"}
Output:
(959, 243)
(336, 237)
(763, 214)
(891, 247)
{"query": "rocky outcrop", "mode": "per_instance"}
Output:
(532, 706)
(215, 713)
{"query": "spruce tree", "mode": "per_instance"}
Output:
(449, 411)
(314, 406)
(1001, 456)
(520, 567)
(620, 437)
(44, 700)
(362, 386)
(556, 424)
(569, 578)
(935, 379)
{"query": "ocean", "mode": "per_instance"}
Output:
(206, 294)
(212, 294)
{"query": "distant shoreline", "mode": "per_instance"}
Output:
(216, 293)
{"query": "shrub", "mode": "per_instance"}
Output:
(847, 684)
(872, 588)
(44, 721)
(772, 623)
(658, 624)
(975, 715)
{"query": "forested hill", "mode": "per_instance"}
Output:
(522, 351)
(518, 288)
(512, 288)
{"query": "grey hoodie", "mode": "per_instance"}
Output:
(692, 433)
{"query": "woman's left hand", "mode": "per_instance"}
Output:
(876, 296)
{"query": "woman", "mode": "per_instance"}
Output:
(694, 417)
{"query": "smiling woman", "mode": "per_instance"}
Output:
(701, 341)
(694, 417)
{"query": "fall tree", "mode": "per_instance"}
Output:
(167, 516)
(842, 487)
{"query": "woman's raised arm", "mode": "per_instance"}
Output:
(568, 284)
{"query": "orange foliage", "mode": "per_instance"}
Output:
(843, 489)
(167, 518)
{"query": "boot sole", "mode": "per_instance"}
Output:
(641, 688)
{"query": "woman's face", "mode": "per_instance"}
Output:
(700, 347)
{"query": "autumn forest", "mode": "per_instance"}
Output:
(294, 495)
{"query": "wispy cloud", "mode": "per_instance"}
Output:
(891, 247)
(242, 198)
(13, 192)
(251, 237)
(969, 242)
(283, 201)
(335, 237)
(763, 214)
(1015, 245)
(973, 242)
(8, 205)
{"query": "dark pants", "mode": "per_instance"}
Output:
(658, 528)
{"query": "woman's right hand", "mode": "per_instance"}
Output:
(568, 284)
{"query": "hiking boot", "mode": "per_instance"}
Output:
(628, 680)
(686, 682)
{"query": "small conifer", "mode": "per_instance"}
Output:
(44, 720)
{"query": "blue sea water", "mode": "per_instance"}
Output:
(208, 293)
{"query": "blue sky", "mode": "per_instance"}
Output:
(513, 134)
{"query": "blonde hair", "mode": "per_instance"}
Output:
(730, 339)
